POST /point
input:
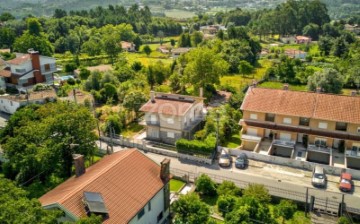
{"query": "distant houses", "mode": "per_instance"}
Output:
(295, 40)
(175, 53)
(297, 54)
(353, 28)
(128, 46)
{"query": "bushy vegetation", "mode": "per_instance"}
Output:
(196, 147)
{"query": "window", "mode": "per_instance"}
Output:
(340, 126)
(287, 120)
(149, 205)
(160, 216)
(47, 67)
(304, 121)
(170, 135)
(141, 213)
(358, 130)
(270, 117)
(323, 125)
(253, 116)
(320, 142)
(153, 119)
(20, 70)
(170, 121)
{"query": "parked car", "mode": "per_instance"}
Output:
(345, 182)
(225, 159)
(318, 177)
(241, 161)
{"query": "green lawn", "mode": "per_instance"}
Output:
(176, 185)
(132, 129)
(233, 142)
(145, 60)
(239, 81)
(179, 14)
(279, 85)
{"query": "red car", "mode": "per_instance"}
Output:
(345, 182)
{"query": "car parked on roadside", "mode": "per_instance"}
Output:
(345, 182)
(318, 177)
(241, 161)
(225, 159)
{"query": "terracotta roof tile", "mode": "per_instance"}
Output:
(127, 180)
(303, 104)
(167, 106)
(19, 60)
(5, 73)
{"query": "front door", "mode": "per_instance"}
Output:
(267, 133)
(300, 137)
(336, 143)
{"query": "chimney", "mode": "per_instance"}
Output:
(165, 170)
(79, 163)
(35, 61)
(353, 93)
(286, 86)
(201, 92)
(318, 89)
(152, 96)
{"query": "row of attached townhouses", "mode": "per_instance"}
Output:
(308, 126)
(26, 70)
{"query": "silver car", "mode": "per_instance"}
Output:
(318, 177)
(225, 159)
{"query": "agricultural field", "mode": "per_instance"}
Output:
(179, 14)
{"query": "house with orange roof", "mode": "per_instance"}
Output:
(29, 69)
(169, 117)
(125, 187)
(303, 40)
(307, 126)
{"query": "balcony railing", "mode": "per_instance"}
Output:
(153, 123)
(301, 129)
(323, 149)
(352, 153)
(287, 144)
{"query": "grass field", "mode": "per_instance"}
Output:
(145, 60)
(239, 81)
(233, 142)
(132, 129)
(176, 185)
(279, 85)
(179, 14)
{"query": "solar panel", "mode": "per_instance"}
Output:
(95, 203)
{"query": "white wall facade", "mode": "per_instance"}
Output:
(151, 216)
(27, 66)
(9, 106)
(2, 83)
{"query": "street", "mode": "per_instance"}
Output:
(284, 180)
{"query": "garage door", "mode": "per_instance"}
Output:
(285, 136)
(251, 131)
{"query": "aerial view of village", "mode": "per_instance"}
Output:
(183, 112)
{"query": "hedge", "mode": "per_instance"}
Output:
(195, 146)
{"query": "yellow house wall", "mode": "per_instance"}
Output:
(314, 123)
(279, 119)
(260, 116)
(352, 128)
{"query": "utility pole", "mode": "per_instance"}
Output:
(217, 129)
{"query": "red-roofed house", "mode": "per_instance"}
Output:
(169, 117)
(125, 187)
(316, 122)
(127, 46)
(303, 40)
(26, 70)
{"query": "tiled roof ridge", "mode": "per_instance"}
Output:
(98, 174)
(304, 91)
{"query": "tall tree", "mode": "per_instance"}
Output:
(328, 80)
(190, 209)
(204, 67)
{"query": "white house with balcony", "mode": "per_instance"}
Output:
(29, 69)
(169, 117)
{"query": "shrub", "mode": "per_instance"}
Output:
(196, 146)
(70, 67)
(228, 188)
(226, 204)
(71, 81)
(259, 192)
(204, 185)
(343, 220)
(286, 209)
(41, 87)
(84, 73)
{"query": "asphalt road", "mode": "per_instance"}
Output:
(282, 182)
